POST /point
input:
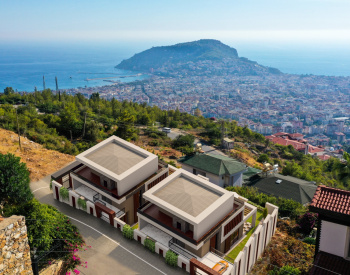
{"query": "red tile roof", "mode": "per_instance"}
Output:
(296, 135)
(332, 199)
(324, 157)
(328, 264)
(280, 134)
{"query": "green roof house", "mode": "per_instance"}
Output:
(221, 170)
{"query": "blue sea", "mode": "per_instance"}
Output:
(22, 66)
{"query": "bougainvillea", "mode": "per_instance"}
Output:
(307, 222)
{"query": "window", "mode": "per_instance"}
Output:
(104, 183)
(178, 225)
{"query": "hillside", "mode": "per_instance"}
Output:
(40, 161)
(180, 56)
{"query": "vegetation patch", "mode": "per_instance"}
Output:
(171, 258)
(150, 245)
(64, 193)
(82, 203)
(128, 232)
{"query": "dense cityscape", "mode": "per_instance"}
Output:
(315, 106)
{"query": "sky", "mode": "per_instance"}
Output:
(160, 22)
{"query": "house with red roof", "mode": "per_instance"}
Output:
(332, 252)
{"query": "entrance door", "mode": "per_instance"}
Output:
(73, 201)
(57, 196)
(91, 211)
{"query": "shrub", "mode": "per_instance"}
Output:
(265, 212)
(150, 245)
(82, 203)
(171, 258)
(128, 232)
(153, 142)
(263, 158)
(14, 180)
(309, 240)
(307, 222)
(64, 193)
(46, 226)
(51, 184)
(285, 270)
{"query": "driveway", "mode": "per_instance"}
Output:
(110, 252)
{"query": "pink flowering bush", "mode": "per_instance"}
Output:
(307, 222)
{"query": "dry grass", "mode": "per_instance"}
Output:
(40, 161)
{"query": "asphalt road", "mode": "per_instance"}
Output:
(110, 252)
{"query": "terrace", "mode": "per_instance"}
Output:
(88, 175)
(154, 213)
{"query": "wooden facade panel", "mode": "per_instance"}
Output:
(232, 224)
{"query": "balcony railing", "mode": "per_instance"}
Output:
(93, 185)
(174, 246)
(96, 198)
(172, 229)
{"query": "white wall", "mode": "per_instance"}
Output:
(212, 219)
(212, 178)
(137, 176)
(333, 238)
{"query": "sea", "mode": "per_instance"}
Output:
(22, 66)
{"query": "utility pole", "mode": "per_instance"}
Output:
(44, 85)
(19, 136)
(84, 126)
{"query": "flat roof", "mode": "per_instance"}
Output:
(115, 157)
(187, 195)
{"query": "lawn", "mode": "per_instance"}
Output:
(136, 226)
(234, 253)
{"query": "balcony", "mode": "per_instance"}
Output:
(91, 178)
(154, 213)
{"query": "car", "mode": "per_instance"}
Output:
(166, 130)
(220, 267)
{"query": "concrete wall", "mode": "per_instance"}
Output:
(235, 179)
(137, 176)
(212, 219)
(14, 247)
(333, 238)
(212, 178)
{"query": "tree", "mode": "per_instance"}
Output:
(125, 126)
(197, 112)
(8, 91)
(14, 180)
(183, 141)
(95, 97)
(263, 158)
(344, 168)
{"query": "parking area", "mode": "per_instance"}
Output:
(210, 260)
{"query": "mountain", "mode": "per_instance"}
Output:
(193, 57)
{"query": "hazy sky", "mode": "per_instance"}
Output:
(289, 21)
